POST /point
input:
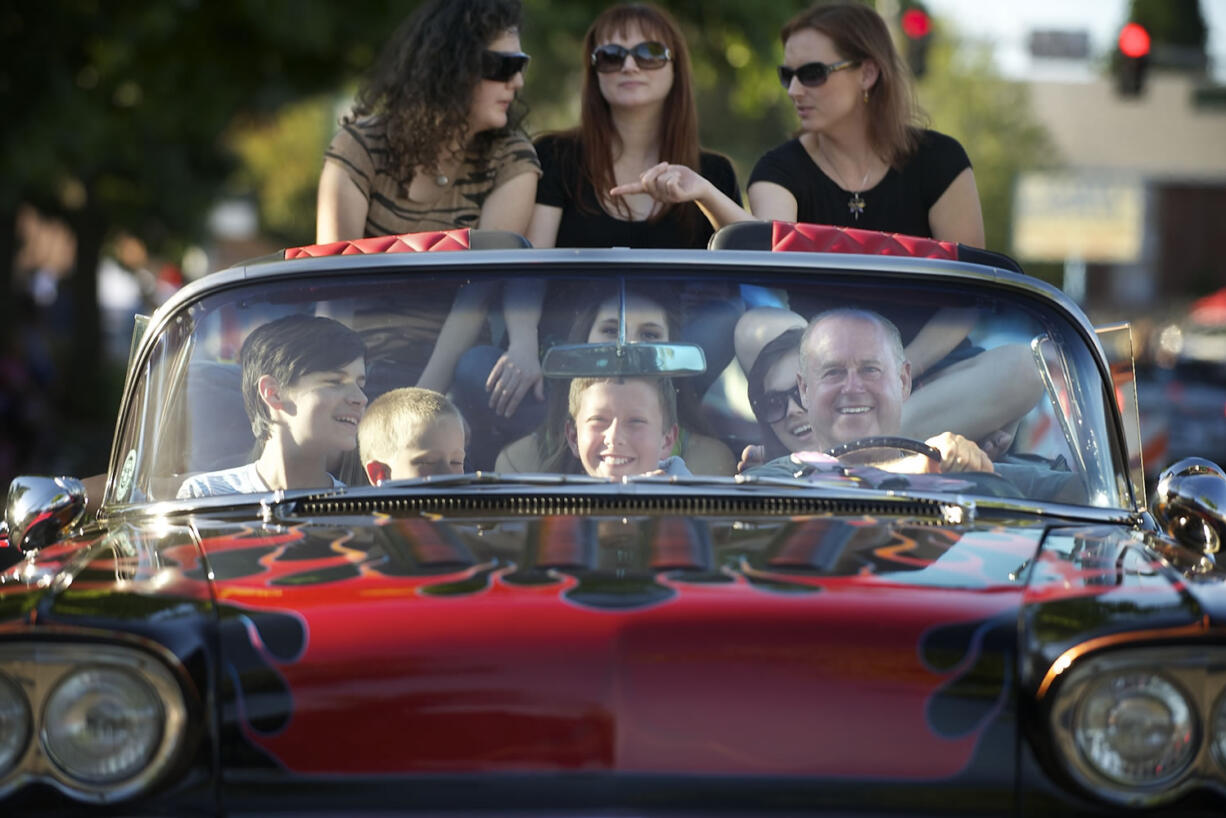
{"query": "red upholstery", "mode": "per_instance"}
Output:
(822, 238)
(436, 240)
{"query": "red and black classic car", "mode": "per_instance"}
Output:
(823, 632)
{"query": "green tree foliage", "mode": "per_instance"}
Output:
(1171, 22)
(117, 108)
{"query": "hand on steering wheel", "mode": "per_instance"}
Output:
(947, 452)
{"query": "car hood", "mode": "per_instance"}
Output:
(652, 644)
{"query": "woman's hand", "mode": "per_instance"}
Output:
(752, 455)
(673, 184)
(514, 374)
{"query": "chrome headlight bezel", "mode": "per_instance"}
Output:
(1195, 672)
(40, 667)
(1217, 731)
(25, 720)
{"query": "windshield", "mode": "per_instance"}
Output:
(374, 378)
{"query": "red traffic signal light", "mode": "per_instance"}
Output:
(916, 23)
(1134, 41)
(1132, 61)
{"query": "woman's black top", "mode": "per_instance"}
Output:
(899, 203)
(562, 185)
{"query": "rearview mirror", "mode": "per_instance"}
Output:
(599, 360)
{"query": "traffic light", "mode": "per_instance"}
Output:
(1132, 60)
(916, 27)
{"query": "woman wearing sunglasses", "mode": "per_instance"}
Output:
(768, 351)
(637, 111)
(433, 142)
(861, 159)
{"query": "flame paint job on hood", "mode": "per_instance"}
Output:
(653, 644)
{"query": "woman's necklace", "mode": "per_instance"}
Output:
(855, 205)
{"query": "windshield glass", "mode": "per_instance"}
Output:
(354, 379)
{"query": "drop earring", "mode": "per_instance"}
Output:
(865, 96)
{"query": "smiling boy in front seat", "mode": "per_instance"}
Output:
(621, 427)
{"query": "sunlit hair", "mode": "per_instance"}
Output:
(859, 33)
(663, 388)
(772, 352)
(892, 336)
(423, 82)
(678, 124)
(396, 420)
(287, 349)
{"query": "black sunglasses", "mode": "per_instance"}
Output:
(502, 66)
(648, 56)
(772, 407)
(812, 74)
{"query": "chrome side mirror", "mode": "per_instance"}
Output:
(1190, 504)
(41, 509)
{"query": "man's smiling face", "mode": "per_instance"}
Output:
(853, 382)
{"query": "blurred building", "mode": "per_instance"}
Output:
(1165, 147)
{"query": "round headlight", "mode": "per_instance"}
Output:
(102, 725)
(1136, 728)
(14, 723)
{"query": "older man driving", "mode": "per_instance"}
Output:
(854, 379)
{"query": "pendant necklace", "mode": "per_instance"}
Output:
(855, 205)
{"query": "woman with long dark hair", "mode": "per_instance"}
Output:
(433, 141)
(863, 159)
(637, 112)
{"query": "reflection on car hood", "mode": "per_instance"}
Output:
(636, 644)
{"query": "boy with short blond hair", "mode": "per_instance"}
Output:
(411, 432)
(624, 426)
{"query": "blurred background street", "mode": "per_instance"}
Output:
(148, 144)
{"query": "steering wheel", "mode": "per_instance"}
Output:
(905, 444)
(984, 482)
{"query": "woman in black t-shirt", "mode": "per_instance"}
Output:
(637, 114)
(861, 160)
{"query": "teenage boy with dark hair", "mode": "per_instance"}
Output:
(302, 387)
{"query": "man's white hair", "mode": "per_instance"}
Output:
(893, 337)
